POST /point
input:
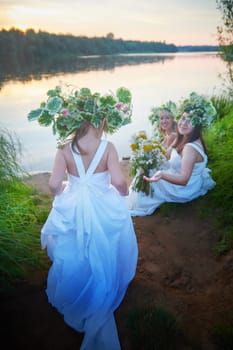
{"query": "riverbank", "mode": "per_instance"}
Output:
(178, 269)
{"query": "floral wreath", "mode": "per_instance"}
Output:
(169, 106)
(200, 110)
(65, 112)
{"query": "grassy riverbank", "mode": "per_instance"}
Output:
(187, 295)
(22, 212)
(23, 209)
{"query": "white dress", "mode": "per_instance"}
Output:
(91, 241)
(162, 191)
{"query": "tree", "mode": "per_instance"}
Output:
(225, 39)
(110, 36)
(225, 32)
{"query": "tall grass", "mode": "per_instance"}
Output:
(223, 105)
(219, 202)
(21, 215)
(10, 154)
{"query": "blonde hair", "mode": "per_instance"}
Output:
(174, 124)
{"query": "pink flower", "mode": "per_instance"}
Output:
(65, 112)
(119, 105)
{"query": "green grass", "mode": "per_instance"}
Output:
(223, 105)
(152, 328)
(219, 202)
(22, 213)
(10, 153)
(21, 217)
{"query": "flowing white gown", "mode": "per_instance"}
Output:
(91, 241)
(162, 191)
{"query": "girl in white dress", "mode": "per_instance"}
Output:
(163, 120)
(186, 176)
(89, 236)
(167, 128)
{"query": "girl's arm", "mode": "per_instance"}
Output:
(189, 156)
(117, 177)
(56, 184)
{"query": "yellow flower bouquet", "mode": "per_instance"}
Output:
(147, 155)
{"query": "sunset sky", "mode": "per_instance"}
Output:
(181, 22)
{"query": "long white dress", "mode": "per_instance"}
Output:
(91, 241)
(162, 191)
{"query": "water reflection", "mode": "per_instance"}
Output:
(169, 76)
(33, 70)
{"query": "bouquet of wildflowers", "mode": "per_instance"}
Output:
(147, 155)
(65, 111)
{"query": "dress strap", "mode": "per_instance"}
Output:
(95, 160)
(97, 157)
(198, 149)
(78, 162)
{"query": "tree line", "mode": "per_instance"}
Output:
(18, 46)
(30, 45)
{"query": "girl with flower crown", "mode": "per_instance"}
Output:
(89, 233)
(186, 176)
(163, 120)
(167, 127)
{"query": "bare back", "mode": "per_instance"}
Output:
(86, 158)
(64, 162)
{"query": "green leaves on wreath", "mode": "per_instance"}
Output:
(124, 95)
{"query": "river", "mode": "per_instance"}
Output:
(152, 80)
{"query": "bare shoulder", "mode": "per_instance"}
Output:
(112, 155)
(65, 149)
(111, 149)
(188, 148)
(191, 145)
(190, 152)
(111, 146)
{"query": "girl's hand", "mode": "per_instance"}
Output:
(156, 177)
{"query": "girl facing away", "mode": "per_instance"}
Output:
(89, 233)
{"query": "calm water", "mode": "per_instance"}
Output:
(152, 82)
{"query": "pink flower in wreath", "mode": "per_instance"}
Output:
(119, 105)
(65, 112)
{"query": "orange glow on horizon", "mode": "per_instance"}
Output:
(189, 24)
